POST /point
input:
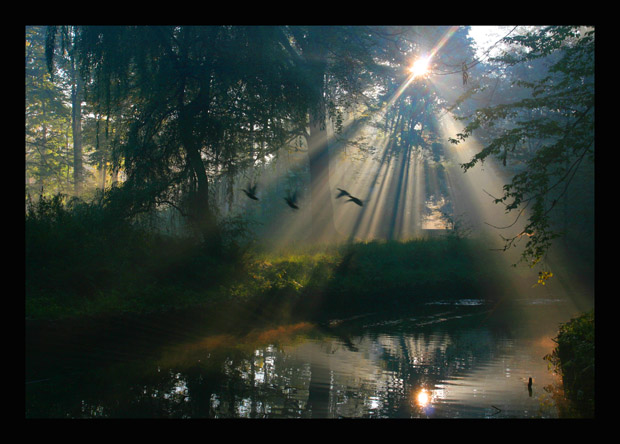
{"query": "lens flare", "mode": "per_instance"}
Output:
(420, 67)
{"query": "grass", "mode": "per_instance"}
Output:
(79, 264)
(315, 283)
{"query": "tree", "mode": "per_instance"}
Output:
(191, 103)
(76, 85)
(558, 114)
(48, 124)
(338, 65)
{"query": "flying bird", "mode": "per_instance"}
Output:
(355, 200)
(292, 201)
(351, 198)
(250, 192)
(342, 193)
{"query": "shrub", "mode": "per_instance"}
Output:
(573, 357)
(81, 255)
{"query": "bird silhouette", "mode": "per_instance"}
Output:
(250, 192)
(355, 200)
(342, 193)
(351, 198)
(292, 201)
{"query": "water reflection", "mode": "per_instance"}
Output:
(459, 360)
(422, 398)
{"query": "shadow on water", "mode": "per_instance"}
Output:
(456, 358)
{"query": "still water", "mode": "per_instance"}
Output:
(453, 359)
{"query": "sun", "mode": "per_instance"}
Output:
(420, 67)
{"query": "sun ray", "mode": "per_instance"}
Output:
(391, 182)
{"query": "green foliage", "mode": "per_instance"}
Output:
(48, 123)
(574, 358)
(188, 108)
(89, 258)
(554, 116)
(344, 280)
(83, 259)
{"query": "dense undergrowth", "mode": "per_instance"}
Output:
(81, 261)
(348, 279)
(573, 358)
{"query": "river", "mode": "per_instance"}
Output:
(464, 358)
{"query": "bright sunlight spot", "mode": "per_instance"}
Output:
(422, 398)
(420, 67)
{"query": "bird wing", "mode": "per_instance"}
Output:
(356, 201)
(342, 193)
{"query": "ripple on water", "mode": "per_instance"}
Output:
(458, 302)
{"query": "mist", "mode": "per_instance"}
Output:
(240, 189)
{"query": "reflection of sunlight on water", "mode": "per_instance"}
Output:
(423, 401)
(422, 398)
(374, 402)
(446, 369)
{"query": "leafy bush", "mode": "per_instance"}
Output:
(82, 256)
(573, 357)
(349, 279)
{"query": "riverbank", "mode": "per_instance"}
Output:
(258, 289)
(573, 358)
(315, 282)
(175, 365)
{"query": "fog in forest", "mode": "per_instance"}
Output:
(293, 173)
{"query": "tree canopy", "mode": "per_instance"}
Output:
(178, 110)
(548, 126)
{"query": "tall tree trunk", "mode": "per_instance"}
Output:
(201, 211)
(103, 172)
(43, 146)
(76, 124)
(201, 214)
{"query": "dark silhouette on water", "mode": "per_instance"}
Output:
(529, 387)
(250, 192)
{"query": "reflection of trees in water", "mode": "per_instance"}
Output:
(404, 364)
(376, 378)
(423, 360)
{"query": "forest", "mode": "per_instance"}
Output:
(238, 179)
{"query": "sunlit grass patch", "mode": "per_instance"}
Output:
(363, 276)
(136, 273)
